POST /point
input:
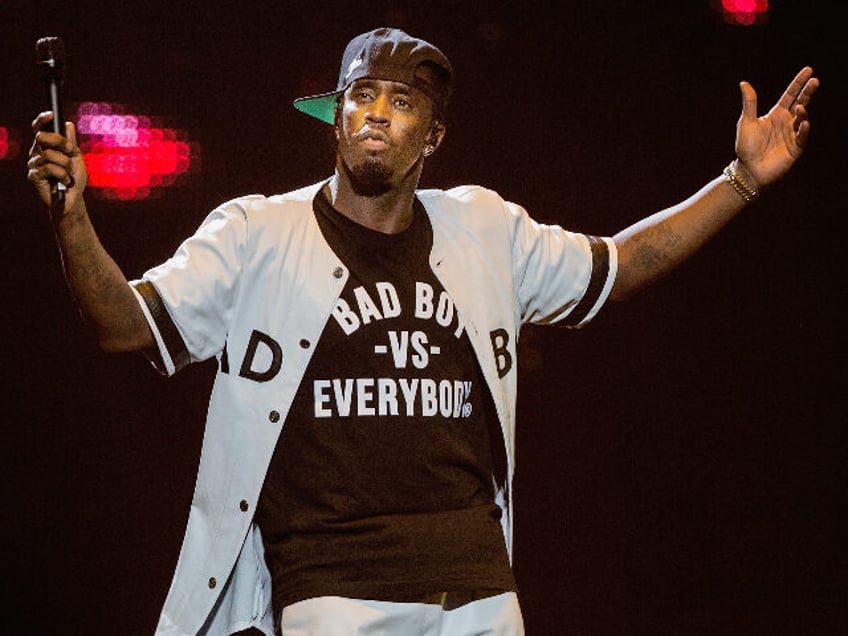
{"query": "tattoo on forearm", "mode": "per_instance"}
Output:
(656, 249)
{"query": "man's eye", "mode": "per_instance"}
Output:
(401, 103)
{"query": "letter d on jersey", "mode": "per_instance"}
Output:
(270, 357)
(503, 358)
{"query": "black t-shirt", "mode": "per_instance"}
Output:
(381, 485)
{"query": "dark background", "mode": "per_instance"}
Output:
(681, 461)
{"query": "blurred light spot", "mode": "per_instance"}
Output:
(131, 156)
(744, 12)
(10, 147)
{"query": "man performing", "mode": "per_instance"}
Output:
(356, 470)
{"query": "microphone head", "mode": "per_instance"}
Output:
(50, 54)
(50, 49)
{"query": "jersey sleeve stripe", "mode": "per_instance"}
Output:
(169, 338)
(597, 283)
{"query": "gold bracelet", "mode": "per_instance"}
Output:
(740, 186)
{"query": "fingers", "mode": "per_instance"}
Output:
(49, 140)
(801, 125)
(45, 138)
(799, 93)
(51, 155)
(49, 163)
(42, 119)
(800, 90)
(42, 168)
(807, 92)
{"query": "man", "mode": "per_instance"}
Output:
(357, 464)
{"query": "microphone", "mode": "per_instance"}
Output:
(50, 56)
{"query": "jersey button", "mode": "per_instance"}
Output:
(274, 416)
(338, 272)
(304, 344)
(243, 505)
(212, 582)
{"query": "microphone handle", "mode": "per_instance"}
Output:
(58, 189)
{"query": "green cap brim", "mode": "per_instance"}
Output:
(319, 106)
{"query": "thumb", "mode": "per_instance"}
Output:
(71, 134)
(749, 101)
(78, 172)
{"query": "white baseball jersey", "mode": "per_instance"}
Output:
(254, 287)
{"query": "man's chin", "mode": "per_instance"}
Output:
(369, 178)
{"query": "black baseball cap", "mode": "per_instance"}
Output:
(386, 54)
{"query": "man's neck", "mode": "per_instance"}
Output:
(390, 212)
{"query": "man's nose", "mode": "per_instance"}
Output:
(378, 110)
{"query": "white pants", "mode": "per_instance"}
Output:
(336, 616)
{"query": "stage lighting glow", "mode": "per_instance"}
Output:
(9, 145)
(131, 156)
(744, 12)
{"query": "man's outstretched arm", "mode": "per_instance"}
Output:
(766, 148)
(105, 299)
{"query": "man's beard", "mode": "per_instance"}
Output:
(369, 178)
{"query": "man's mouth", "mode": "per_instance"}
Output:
(373, 139)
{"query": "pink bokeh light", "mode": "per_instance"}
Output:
(131, 156)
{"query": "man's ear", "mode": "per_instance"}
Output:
(435, 137)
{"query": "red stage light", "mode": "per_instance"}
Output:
(9, 145)
(744, 12)
(130, 156)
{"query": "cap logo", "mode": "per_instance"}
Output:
(353, 65)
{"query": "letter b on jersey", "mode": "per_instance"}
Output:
(500, 344)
